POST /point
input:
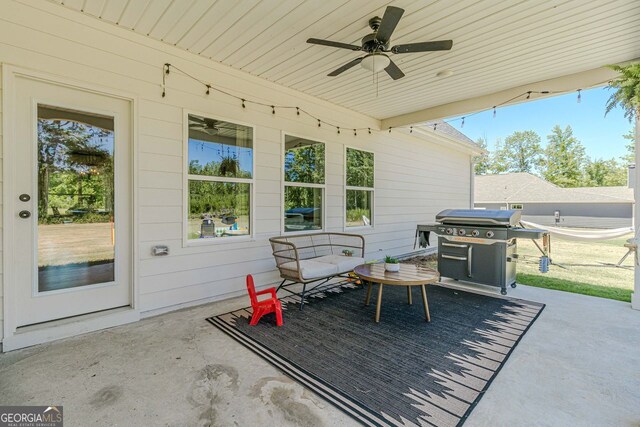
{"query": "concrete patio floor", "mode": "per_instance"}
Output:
(579, 365)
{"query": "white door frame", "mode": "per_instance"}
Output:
(13, 339)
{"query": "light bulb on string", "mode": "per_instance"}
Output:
(355, 133)
(462, 124)
(297, 111)
(435, 127)
(529, 95)
(338, 129)
(208, 90)
(389, 130)
(273, 109)
(319, 125)
(579, 96)
(243, 100)
(369, 131)
(494, 111)
(411, 129)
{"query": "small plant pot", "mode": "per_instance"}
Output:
(393, 268)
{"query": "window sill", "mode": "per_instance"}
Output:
(358, 227)
(216, 241)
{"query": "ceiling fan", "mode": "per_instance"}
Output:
(376, 45)
(203, 124)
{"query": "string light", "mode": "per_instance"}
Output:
(209, 87)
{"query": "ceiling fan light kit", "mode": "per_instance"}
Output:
(376, 45)
(375, 62)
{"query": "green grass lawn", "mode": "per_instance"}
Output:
(580, 267)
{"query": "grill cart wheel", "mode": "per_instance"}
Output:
(503, 291)
(513, 285)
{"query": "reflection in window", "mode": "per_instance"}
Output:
(76, 224)
(360, 187)
(303, 160)
(359, 207)
(218, 209)
(304, 174)
(303, 208)
(220, 178)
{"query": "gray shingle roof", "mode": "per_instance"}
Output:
(528, 188)
(448, 130)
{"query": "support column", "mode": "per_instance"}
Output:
(635, 296)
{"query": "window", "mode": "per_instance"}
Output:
(220, 178)
(517, 206)
(304, 184)
(359, 188)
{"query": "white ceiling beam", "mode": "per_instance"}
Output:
(569, 82)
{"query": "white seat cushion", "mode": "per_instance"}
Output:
(344, 263)
(311, 269)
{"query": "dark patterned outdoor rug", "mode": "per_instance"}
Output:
(402, 371)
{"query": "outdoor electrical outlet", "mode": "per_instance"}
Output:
(160, 250)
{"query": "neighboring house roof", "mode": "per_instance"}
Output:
(449, 130)
(527, 188)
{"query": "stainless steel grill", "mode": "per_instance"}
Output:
(480, 246)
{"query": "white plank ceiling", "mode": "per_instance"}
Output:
(497, 44)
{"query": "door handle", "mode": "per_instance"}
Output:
(24, 214)
(470, 260)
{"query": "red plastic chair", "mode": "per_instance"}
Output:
(260, 308)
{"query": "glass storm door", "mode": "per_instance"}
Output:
(73, 204)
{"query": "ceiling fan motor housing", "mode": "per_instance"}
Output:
(370, 44)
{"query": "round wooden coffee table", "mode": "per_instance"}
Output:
(409, 275)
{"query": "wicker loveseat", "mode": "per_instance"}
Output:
(316, 258)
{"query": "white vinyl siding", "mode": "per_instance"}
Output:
(416, 177)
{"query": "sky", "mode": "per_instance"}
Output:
(600, 135)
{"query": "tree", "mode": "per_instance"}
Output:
(521, 152)
(482, 161)
(565, 158)
(627, 94)
(497, 161)
(605, 173)
(630, 157)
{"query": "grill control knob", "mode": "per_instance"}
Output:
(461, 232)
(490, 234)
(475, 233)
(449, 231)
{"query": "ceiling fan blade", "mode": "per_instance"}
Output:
(345, 67)
(334, 44)
(423, 47)
(394, 72)
(389, 22)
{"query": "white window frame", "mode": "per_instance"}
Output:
(285, 183)
(186, 177)
(350, 187)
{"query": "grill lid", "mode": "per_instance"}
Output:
(499, 218)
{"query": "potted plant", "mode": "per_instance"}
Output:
(391, 264)
(347, 252)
